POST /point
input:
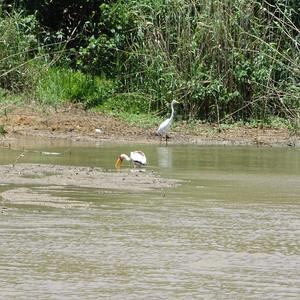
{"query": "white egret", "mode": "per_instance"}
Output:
(165, 125)
(138, 159)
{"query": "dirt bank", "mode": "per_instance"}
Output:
(79, 125)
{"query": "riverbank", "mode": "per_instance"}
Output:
(75, 124)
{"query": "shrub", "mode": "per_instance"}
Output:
(18, 45)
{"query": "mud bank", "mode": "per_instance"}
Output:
(37, 184)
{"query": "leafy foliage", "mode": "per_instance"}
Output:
(18, 47)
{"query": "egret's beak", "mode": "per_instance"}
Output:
(118, 163)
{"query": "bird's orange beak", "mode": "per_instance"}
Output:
(118, 163)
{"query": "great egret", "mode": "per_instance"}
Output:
(138, 159)
(165, 125)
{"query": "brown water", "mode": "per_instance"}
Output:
(230, 231)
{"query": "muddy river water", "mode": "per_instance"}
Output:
(230, 230)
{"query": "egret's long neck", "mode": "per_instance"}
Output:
(125, 156)
(173, 111)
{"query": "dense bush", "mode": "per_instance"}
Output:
(92, 30)
(18, 50)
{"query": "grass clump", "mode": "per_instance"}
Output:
(131, 108)
(142, 120)
(60, 85)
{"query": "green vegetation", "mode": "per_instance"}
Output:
(226, 61)
(17, 52)
(59, 85)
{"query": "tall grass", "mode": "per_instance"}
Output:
(224, 59)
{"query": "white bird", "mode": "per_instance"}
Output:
(138, 159)
(165, 125)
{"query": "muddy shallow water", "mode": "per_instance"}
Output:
(229, 230)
